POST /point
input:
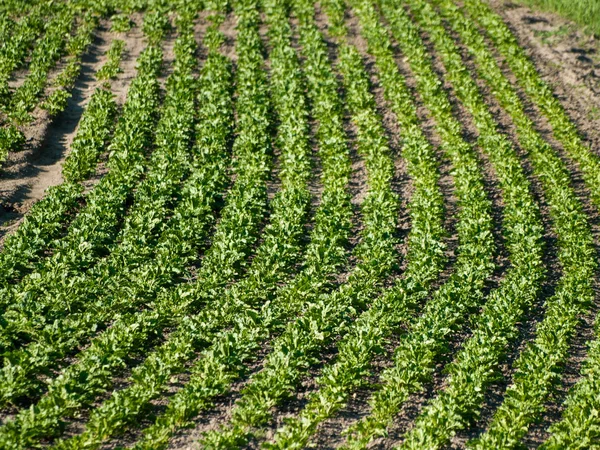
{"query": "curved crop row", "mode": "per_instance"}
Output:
(281, 245)
(224, 361)
(321, 318)
(540, 93)
(65, 396)
(425, 249)
(474, 365)
(425, 341)
(539, 364)
(27, 305)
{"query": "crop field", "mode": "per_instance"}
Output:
(275, 224)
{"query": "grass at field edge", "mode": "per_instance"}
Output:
(583, 12)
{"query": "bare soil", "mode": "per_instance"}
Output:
(26, 175)
(567, 58)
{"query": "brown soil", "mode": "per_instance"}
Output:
(27, 174)
(567, 58)
(228, 28)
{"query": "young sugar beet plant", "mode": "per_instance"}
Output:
(273, 259)
(539, 363)
(232, 349)
(425, 252)
(94, 228)
(7, 25)
(231, 242)
(322, 315)
(474, 366)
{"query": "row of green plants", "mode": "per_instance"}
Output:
(224, 360)
(20, 37)
(47, 219)
(425, 254)
(49, 293)
(13, 54)
(110, 69)
(66, 393)
(279, 250)
(56, 101)
(425, 341)
(322, 317)
(46, 53)
(496, 327)
(539, 366)
(133, 332)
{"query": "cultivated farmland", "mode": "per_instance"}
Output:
(284, 224)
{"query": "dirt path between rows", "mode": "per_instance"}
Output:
(26, 175)
(567, 58)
